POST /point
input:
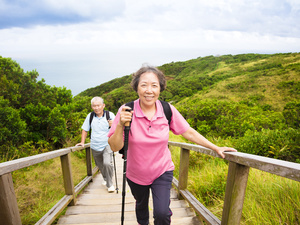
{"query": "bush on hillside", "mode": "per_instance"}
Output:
(278, 144)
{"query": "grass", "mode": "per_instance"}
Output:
(269, 199)
(38, 188)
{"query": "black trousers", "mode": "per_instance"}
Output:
(160, 190)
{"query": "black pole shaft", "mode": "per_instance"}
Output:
(117, 188)
(126, 134)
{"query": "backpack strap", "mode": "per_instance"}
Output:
(107, 115)
(167, 110)
(92, 115)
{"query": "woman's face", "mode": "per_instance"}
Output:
(148, 89)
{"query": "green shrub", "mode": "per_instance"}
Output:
(279, 144)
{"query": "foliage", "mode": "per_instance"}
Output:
(12, 128)
(279, 144)
(250, 101)
(291, 113)
(228, 96)
(31, 113)
(229, 119)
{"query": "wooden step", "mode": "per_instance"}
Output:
(96, 206)
(115, 217)
(175, 221)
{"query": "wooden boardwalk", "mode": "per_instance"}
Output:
(96, 206)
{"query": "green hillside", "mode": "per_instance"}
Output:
(250, 99)
(270, 80)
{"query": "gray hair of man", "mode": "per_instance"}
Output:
(97, 99)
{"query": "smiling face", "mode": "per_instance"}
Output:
(148, 89)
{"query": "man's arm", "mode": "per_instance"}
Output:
(83, 137)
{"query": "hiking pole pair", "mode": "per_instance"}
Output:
(126, 134)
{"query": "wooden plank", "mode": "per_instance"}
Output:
(202, 211)
(10, 166)
(67, 176)
(175, 221)
(115, 217)
(79, 148)
(275, 166)
(54, 212)
(100, 206)
(13, 165)
(235, 192)
(79, 187)
(183, 168)
(9, 211)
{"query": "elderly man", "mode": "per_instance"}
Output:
(98, 122)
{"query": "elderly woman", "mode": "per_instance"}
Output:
(149, 162)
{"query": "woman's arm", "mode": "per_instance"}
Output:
(116, 140)
(194, 136)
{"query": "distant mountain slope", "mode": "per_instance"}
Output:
(270, 80)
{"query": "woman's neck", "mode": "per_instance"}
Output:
(148, 110)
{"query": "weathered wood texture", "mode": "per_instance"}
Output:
(9, 212)
(239, 164)
(235, 193)
(96, 206)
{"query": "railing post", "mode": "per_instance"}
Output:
(183, 169)
(235, 192)
(67, 176)
(88, 157)
(9, 211)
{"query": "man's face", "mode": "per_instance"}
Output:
(98, 107)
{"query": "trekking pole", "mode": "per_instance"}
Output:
(126, 134)
(117, 189)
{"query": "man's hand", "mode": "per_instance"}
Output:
(80, 144)
(110, 122)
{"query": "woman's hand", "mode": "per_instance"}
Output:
(125, 115)
(220, 150)
(192, 135)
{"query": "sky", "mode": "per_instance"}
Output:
(79, 44)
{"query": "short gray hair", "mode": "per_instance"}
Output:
(97, 99)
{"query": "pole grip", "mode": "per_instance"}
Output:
(127, 124)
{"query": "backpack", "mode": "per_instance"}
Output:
(167, 111)
(93, 114)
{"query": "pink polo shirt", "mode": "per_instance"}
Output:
(148, 155)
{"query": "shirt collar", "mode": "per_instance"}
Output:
(139, 113)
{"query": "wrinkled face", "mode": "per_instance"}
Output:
(148, 89)
(98, 107)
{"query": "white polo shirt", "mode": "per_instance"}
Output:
(100, 128)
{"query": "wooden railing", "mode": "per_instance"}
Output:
(239, 165)
(9, 212)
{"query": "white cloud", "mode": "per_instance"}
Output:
(114, 38)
